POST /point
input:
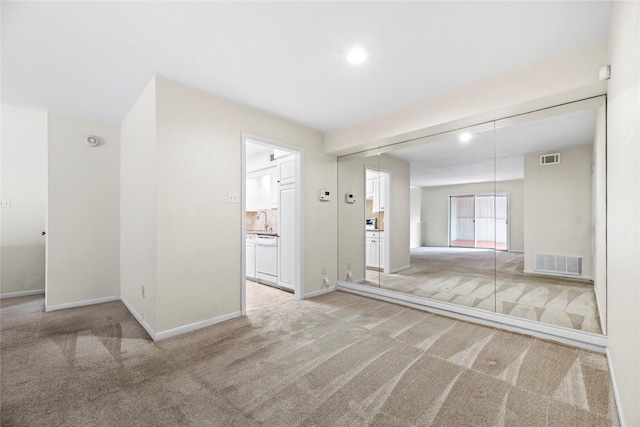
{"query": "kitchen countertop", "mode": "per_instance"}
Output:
(262, 233)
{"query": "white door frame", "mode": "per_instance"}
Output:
(298, 152)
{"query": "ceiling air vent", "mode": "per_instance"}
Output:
(550, 159)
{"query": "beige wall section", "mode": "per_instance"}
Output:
(351, 225)
(138, 207)
(571, 76)
(83, 236)
(198, 232)
(623, 200)
(415, 220)
(351, 236)
(397, 237)
(435, 210)
(23, 155)
(557, 205)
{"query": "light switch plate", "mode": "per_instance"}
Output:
(232, 198)
(5, 203)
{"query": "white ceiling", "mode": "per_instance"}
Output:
(495, 155)
(93, 59)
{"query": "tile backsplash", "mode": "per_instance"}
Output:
(255, 221)
(378, 215)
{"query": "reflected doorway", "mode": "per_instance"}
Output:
(377, 220)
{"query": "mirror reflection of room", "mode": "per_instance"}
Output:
(376, 198)
(500, 220)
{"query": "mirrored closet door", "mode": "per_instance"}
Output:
(504, 217)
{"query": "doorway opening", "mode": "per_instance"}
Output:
(378, 233)
(479, 221)
(272, 222)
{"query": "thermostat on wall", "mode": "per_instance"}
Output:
(350, 198)
(325, 195)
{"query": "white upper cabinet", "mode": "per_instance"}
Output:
(260, 190)
(287, 170)
(377, 191)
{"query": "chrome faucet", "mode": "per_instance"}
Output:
(266, 224)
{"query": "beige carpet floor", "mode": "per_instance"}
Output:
(335, 360)
(494, 281)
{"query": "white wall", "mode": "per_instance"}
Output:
(623, 206)
(398, 236)
(415, 220)
(558, 207)
(138, 207)
(435, 210)
(83, 211)
(571, 76)
(23, 180)
(198, 233)
(351, 228)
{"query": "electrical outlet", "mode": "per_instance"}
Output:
(5, 203)
(232, 198)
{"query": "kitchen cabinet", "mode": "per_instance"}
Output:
(287, 223)
(374, 245)
(262, 190)
(275, 185)
(287, 171)
(250, 258)
(377, 191)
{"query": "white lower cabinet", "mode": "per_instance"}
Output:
(374, 244)
(250, 260)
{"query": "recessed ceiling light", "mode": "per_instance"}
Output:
(357, 56)
(465, 137)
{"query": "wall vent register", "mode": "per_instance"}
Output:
(550, 159)
(560, 264)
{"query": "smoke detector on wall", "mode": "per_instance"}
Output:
(92, 141)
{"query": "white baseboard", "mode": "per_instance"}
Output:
(397, 270)
(564, 276)
(195, 326)
(320, 292)
(139, 318)
(614, 385)
(22, 293)
(567, 336)
(81, 303)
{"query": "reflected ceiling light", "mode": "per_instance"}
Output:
(465, 137)
(357, 56)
